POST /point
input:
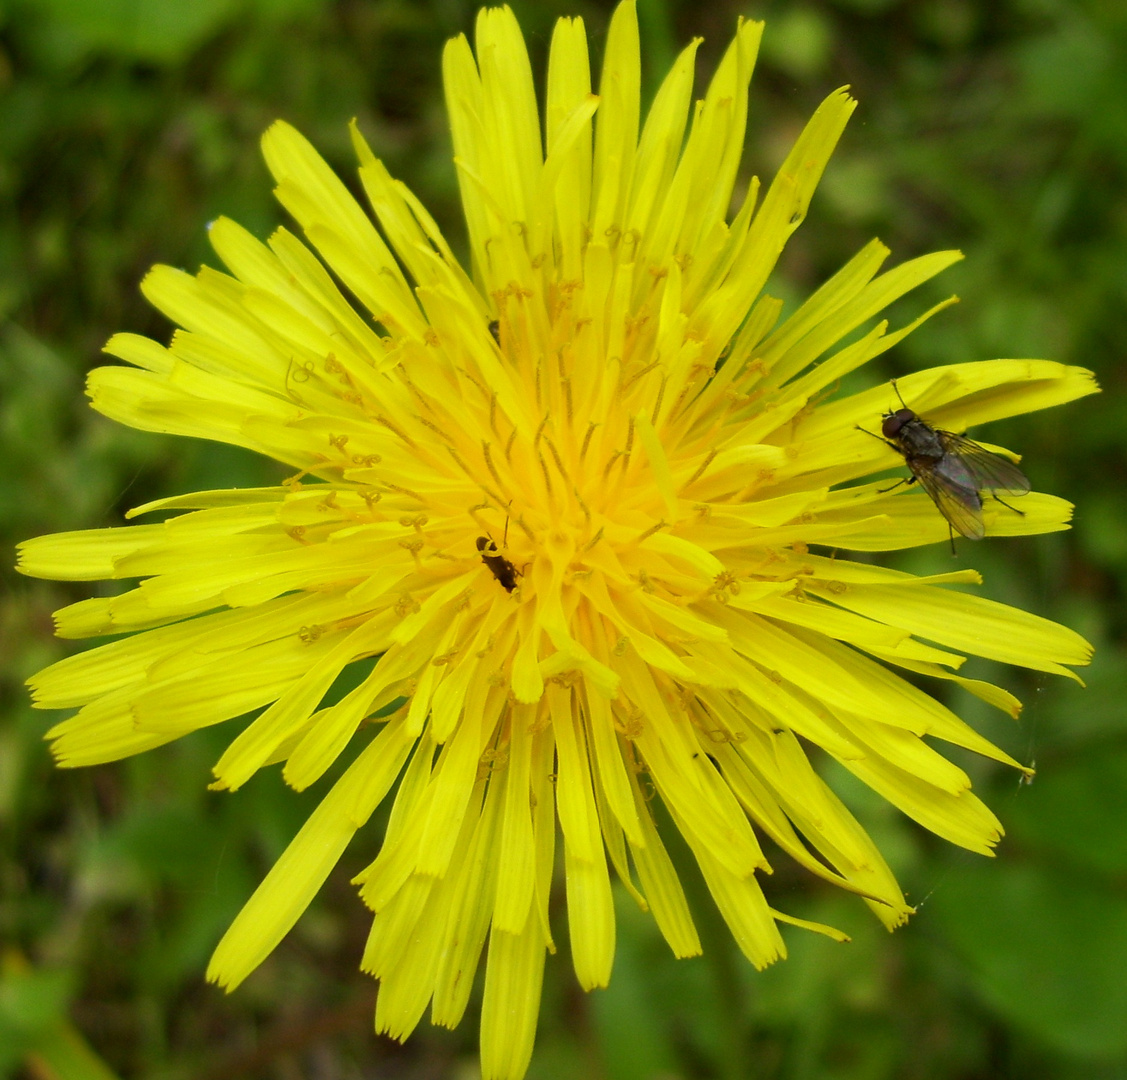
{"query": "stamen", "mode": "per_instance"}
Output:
(587, 440)
(405, 491)
(544, 470)
(594, 540)
(540, 429)
(645, 371)
(305, 371)
(487, 454)
(689, 388)
(381, 419)
(418, 394)
(433, 427)
(461, 464)
(653, 529)
(615, 455)
(657, 404)
(556, 454)
(301, 373)
(629, 446)
(473, 512)
(519, 521)
(501, 503)
(406, 605)
(700, 471)
(467, 374)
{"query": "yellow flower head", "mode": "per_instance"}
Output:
(565, 495)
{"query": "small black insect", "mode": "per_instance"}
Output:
(495, 330)
(952, 469)
(499, 566)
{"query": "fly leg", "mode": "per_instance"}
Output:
(1007, 505)
(908, 480)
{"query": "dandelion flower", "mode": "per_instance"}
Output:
(566, 496)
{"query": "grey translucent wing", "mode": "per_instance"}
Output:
(988, 471)
(961, 506)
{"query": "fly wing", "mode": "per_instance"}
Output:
(960, 505)
(989, 471)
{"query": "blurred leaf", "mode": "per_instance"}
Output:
(1065, 70)
(857, 187)
(146, 29)
(1045, 949)
(1077, 71)
(1077, 810)
(1079, 714)
(1105, 529)
(65, 1055)
(145, 847)
(32, 1004)
(659, 43)
(866, 7)
(798, 41)
(819, 973)
(633, 1036)
(949, 23)
(285, 9)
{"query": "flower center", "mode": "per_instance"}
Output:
(565, 476)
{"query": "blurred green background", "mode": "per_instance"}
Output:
(997, 126)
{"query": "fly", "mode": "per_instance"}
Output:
(952, 469)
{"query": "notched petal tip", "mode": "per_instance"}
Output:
(279, 130)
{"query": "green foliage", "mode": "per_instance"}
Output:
(1044, 948)
(997, 126)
